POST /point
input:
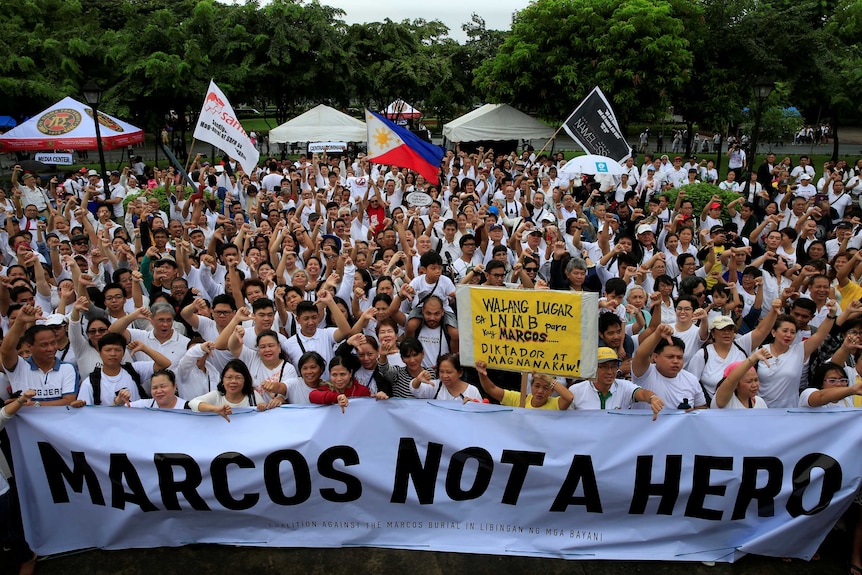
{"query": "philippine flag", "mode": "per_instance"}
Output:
(394, 146)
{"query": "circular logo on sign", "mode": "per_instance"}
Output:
(106, 121)
(59, 122)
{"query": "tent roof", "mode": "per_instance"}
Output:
(320, 124)
(401, 109)
(495, 122)
(69, 124)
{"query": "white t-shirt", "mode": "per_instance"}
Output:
(282, 372)
(621, 395)
(436, 390)
(323, 342)
(841, 403)
(442, 289)
(111, 384)
(779, 381)
(672, 390)
(734, 403)
(692, 341)
(153, 404)
(711, 371)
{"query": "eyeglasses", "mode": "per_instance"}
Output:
(223, 311)
(609, 364)
(97, 330)
(833, 381)
(699, 294)
(498, 276)
(80, 243)
(114, 297)
(684, 309)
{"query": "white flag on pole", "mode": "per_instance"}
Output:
(218, 125)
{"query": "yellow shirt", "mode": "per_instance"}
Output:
(513, 399)
(716, 267)
(851, 291)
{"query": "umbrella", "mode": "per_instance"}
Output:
(592, 164)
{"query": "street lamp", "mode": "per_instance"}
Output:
(93, 96)
(762, 89)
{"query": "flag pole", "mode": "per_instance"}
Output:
(189, 158)
(539, 153)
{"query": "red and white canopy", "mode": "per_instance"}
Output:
(399, 109)
(69, 124)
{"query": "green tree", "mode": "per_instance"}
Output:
(40, 60)
(636, 51)
(391, 60)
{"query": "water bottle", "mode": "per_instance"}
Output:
(684, 405)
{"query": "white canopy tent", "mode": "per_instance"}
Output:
(321, 123)
(399, 109)
(496, 122)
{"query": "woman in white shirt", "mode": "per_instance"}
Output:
(738, 389)
(234, 390)
(450, 386)
(830, 388)
(163, 387)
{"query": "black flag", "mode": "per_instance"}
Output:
(594, 127)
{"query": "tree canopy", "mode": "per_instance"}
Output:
(700, 56)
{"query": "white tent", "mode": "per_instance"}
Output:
(495, 122)
(321, 123)
(401, 110)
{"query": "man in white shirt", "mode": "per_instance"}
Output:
(117, 195)
(53, 380)
(657, 367)
(606, 392)
(804, 167)
(312, 337)
(163, 338)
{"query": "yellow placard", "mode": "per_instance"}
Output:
(545, 331)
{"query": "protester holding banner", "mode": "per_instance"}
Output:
(235, 389)
(450, 386)
(658, 367)
(605, 391)
(163, 388)
(542, 387)
(342, 385)
(830, 388)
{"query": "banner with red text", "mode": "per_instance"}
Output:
(218, 125)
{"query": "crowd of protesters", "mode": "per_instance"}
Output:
(316, 281)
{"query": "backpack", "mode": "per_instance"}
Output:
(96, 382)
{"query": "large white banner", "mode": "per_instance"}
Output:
(219, 126)
(440, 476)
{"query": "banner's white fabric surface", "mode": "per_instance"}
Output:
(440, 476)
(218, 125)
